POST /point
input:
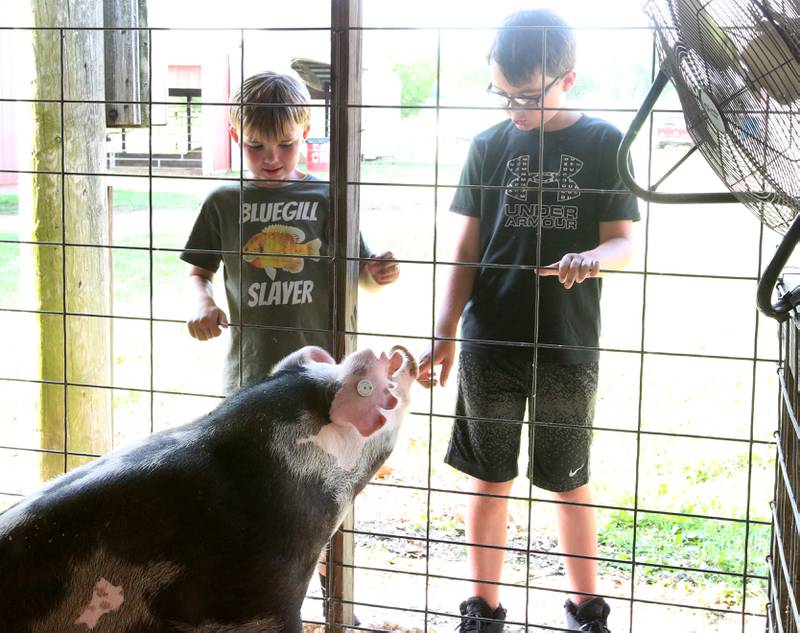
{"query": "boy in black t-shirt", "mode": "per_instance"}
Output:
(563, 221)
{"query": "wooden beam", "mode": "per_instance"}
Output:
(345, 167)
(144, 65)
(123, 57)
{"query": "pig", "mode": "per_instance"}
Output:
(211, 527)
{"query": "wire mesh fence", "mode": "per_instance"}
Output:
(683, 458)
(782, 608)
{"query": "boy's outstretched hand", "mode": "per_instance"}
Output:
(573, 268)
(383, 268)
(207, 321)
(443, 353)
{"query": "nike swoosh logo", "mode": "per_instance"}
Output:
(572, 473)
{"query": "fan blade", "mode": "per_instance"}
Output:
(772, 64)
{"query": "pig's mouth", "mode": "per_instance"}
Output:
(409, 367)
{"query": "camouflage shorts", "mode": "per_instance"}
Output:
(493, 392)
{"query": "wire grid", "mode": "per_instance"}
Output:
(425, 414)
(784, 568)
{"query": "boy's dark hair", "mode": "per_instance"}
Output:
(288, 98)
(521, 51)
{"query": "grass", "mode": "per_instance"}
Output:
(389, 170)
(686, 541)
(9, 204)
(124, 200)
(9, 268)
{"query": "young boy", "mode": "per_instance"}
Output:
(515, 212)
(272, 235)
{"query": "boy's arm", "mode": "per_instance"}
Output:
(458, 290)
(612, 253)
(208, 317)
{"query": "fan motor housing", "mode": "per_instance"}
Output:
(712, 111)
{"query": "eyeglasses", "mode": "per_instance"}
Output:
(521, 101)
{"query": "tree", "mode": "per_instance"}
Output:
(418, 80)
(607, 86)
(70, 278)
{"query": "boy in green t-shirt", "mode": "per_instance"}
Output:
(271, 234)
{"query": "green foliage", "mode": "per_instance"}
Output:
(418, 81)
(468, 85)
(609, 88)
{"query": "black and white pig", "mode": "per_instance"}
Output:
(214, 526)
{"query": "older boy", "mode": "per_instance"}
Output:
(272, 235)
(514, 213)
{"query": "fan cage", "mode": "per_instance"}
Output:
(735, 66)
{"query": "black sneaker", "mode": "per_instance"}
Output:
(323, 583)
(591, 615)
(474, 610)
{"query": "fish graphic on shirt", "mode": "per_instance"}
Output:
(279, 241)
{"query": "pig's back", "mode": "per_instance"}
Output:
(192, 524)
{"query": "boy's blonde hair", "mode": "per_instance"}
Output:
(270, 104)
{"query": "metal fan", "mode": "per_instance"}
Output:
(735, 65)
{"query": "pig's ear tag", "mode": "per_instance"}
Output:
(364, 388)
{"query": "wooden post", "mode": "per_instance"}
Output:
(71, 279)
(144, 65)
(123, 56)
(345, 167)
(110, 290)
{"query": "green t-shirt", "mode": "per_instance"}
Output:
(273, 244)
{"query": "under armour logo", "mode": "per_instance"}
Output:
(524, 179)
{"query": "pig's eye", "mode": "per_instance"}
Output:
(364, 388)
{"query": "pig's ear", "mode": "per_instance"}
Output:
(303, 356)
(395, 362)
(349, 408)
(319, 355)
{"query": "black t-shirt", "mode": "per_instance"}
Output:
(580, 187)
(273, 244)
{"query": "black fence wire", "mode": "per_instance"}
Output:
(395, 590)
